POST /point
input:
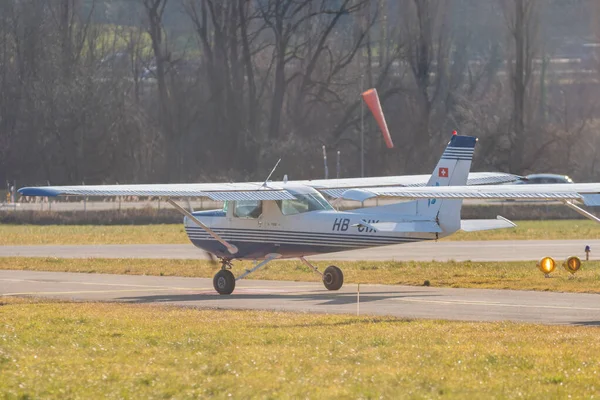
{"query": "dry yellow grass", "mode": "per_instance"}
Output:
(489, 275)
(537, 230)
(85, 350)
(92, 234)
(175, 233)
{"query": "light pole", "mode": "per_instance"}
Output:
(362, 132)
(325, 162)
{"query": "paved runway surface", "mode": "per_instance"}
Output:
(400, 301)
(501, 250)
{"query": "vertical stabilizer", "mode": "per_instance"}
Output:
(452, 170)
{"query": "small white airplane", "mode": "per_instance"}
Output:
(273, 220)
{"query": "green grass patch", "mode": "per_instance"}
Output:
(537, 230)
(86, 350)
(518, 275)
(175, 233)
(92, 234)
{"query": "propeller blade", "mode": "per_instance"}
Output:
(211, 257)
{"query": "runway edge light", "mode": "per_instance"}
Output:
(572, 264)
(547, 265)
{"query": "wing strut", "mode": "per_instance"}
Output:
(231, 248)
(581, 211)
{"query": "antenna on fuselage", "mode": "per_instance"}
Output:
(273, 170)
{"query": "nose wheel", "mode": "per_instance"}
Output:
(333, 278)
(224, 282)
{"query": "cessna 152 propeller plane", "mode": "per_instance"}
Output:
(272, 220)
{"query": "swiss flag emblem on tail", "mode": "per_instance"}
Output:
(443, 172)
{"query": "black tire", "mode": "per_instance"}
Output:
(333, 278)
(224, 282)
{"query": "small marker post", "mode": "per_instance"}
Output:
(588, 250)
(358, 300)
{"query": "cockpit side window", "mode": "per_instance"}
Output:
(247, 209)
(303, 203)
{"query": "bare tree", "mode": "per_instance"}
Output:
(522, 21)
(162, 57)
(201, 89)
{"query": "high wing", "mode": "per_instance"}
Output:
(587, 193)
(335, 187)
(252, 190)
(214, 191)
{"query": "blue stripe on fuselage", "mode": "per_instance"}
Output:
(258, 250)
(281, 232)
(253, 243)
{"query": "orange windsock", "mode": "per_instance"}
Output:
(372, 99)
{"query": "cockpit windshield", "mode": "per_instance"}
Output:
(304, 202)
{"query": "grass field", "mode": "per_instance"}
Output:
(87, 350)
(174, 234)
(537, 230)
(92, 234)
(490, 275)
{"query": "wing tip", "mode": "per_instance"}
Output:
(38, 191)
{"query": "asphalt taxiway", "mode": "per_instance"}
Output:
(399, 301)
(491, 250)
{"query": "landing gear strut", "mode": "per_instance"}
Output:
(224, 281)
(333, 278)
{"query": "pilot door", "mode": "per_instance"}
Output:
(253, 221)
(246, 214)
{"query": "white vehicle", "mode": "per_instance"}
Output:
(272, 220)
(536, 179)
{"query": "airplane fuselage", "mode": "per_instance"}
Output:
(308, 233)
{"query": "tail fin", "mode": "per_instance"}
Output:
(452, 170)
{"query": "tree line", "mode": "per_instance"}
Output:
(105, 91)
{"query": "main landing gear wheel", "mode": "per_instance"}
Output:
(333, 278)
(224, 282)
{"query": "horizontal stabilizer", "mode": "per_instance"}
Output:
(406, 226)
(474, 225)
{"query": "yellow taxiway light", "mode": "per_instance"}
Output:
(547, 265)
(572, 264)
